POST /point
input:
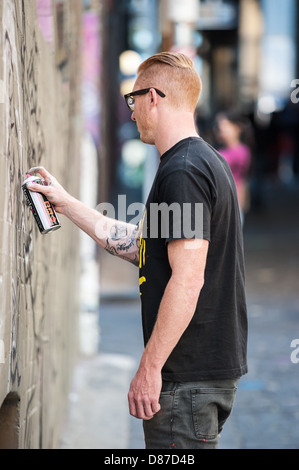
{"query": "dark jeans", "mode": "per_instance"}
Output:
(192, 415)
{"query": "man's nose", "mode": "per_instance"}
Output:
(133, 116)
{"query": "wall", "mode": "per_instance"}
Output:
(39, 125)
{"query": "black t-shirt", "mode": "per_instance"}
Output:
(193, 176)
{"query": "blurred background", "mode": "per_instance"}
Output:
(247, 53)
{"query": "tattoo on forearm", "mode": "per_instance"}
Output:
(118, 232)
(123, 244)
(111, 249)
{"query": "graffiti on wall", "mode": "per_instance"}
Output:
(30, 93)
(24, 145)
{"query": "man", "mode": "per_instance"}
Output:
(192, 287)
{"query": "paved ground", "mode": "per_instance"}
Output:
(266, 410)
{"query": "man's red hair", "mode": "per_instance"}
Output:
(174, 74)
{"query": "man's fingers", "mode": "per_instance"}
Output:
(37, 188)
(143, 409)
(140, 411)
(43, 172)
(34, 170)
(132, 406)
(156, 407)
(148, 412)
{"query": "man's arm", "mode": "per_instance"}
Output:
(187, 259)
(116, 237)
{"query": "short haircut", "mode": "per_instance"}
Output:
(174, 74)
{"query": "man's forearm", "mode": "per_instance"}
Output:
(118, 238)
(175, 313)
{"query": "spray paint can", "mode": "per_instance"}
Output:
(43, 211)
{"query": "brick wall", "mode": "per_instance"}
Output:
(39, 125)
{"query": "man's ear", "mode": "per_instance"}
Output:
(153, 97)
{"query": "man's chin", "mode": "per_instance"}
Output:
(146, 140)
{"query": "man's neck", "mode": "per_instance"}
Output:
(173, 130)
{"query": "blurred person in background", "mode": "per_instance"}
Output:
(192, 286)
(234, 134)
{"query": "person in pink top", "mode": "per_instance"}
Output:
(233, 132)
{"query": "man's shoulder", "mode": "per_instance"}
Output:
(192, 155)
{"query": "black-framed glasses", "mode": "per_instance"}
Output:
(129, 97)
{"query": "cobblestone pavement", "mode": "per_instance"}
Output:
(266, 411)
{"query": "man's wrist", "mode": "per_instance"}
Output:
(67, 208)
(151, 361)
